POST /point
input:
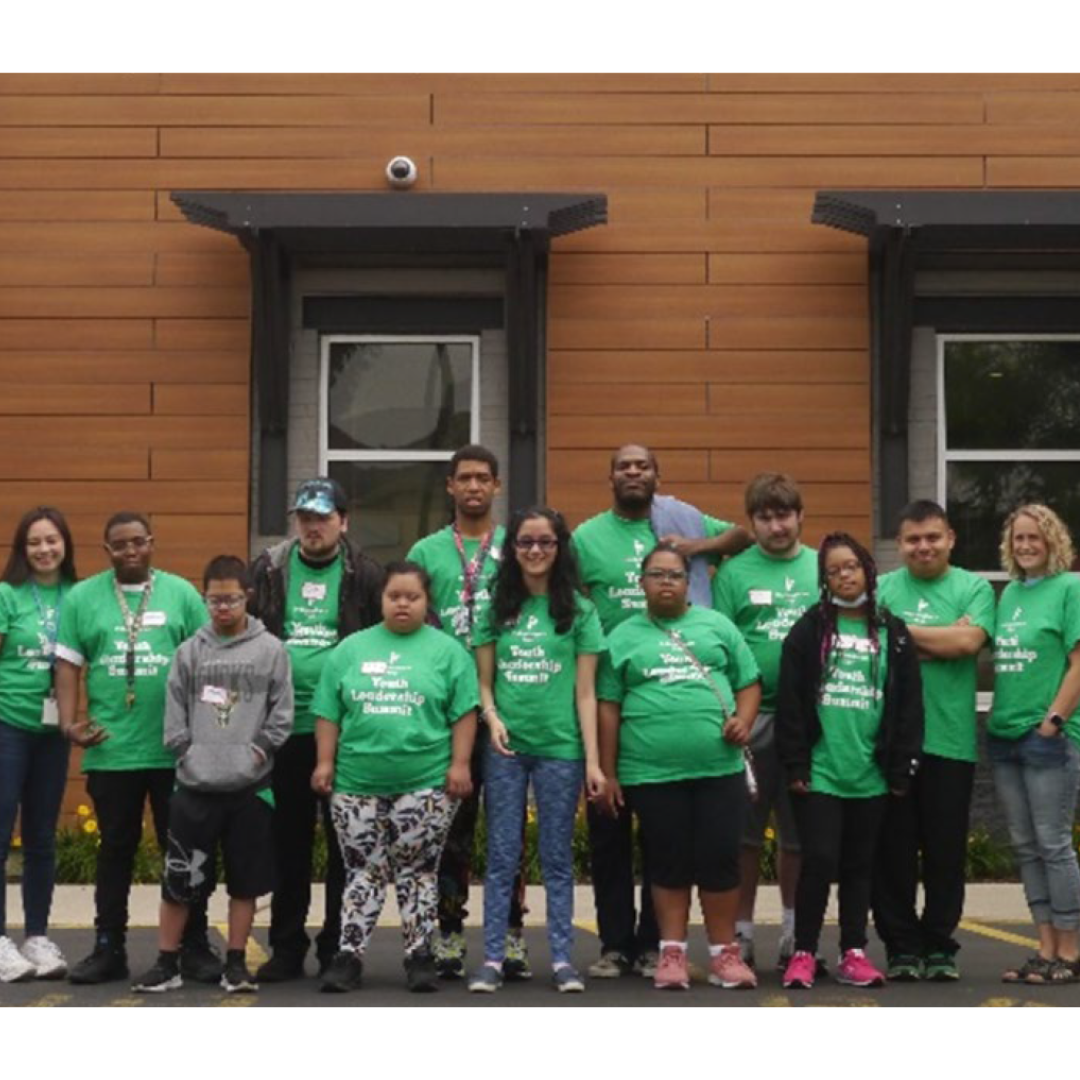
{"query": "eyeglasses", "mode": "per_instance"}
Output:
(233, 600)
(844, 568)
(664, 575)
(136, 543)
(544, 543)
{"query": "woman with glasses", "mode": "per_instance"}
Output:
(679, 690)
(849, 728)
(1034, 731)
(33, 754)
(536, 656)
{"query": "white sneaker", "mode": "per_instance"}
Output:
(48, 960)
(14, 967)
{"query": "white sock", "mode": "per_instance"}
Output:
(744, 928)
(559, 966)
(787, 922)
(673, 945)
(716, 950)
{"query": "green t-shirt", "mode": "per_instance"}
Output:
(948, 685)
(92, 635)
(764, 597)
(609, 551)
(1037, 627)
(310, 630)
(850, 709)
(535, 672)
(28, 627)
(438, 555)
(672, 722)
(395, 698)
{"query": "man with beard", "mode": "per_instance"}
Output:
(609, 549)
(123, 626)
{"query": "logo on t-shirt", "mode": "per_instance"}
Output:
(922, 605)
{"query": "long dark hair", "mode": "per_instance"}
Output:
(829, 610)
(509, 591)
(18, 569)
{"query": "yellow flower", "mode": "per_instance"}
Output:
(770, 833)
(83, 810)
(90, 826)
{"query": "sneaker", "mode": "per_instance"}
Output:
(611, 965)
(673, 970)
(14, 967)
(343, 974)
(45, 955)
(449, 953)
(645, 964)
(567, 981)
(486, 979)
(786, 950)
(420, 974)
(516, 961)
(940, 967)
(164, 975)
(107, 963)
(903, 967)
(235, 978)
(800, 972)
(855, 969)
(728, 970)
(282, 967)
(746, 950)
(200, 962)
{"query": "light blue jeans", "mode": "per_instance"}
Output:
(557, 786)
(1036, 780)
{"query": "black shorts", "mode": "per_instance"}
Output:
(692, 830)
(240, 821)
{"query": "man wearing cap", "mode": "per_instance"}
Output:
(311, 591)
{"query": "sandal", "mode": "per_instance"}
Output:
(1064, 971)
(1035, 970)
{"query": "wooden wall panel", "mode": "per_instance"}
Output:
(791, 268)
(117, 302)
(32, 398)
(196, 400)
(85, 206)
(194, 464)
(22, 268)
(87, 142)
(579, 270)
(165, 366)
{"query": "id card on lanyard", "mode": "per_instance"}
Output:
(50, 714)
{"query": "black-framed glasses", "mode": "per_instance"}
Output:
(544, 543)
(226, 602)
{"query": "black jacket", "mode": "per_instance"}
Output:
(798, 728)
(359, 603)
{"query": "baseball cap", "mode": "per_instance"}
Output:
(320, 496)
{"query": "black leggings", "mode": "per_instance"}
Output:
(838, 839)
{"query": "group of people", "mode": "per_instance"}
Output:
(693, 679)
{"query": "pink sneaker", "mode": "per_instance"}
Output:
(728, 970)
(856, 970)
(673, 971)
(801, 969)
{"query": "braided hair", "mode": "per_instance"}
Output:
(830, 612)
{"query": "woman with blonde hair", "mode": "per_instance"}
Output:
(1034, 731)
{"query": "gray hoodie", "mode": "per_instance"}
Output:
(228, 707)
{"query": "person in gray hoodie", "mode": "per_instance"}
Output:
(229, 707)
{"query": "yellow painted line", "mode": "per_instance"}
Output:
(773, 1001)
(254, 953)
(588, 925)
(237, 1001)
(1000, 1003)
(127, 1002)
(998, 935)
(850, 1003)
(49, 1001)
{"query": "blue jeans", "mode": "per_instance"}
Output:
(33, 771)
(557, 786)
(1036, 780)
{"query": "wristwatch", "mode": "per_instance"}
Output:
(1057, 720)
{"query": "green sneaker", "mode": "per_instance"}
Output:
(903, 967)
(516, 960)
(940, 967)
(449, 953)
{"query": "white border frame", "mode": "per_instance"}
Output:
(326, 455)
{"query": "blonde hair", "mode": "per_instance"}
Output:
(1055, 532)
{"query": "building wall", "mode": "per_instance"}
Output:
(709, 319)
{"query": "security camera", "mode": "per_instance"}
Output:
(401, 172)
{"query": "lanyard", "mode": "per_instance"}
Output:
(49, 628)
(133, 624)
(470, 570)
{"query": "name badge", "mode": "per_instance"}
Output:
(154, 618)
(761, 596)
(214, 695)
(50, 714)
(373, 667)
(313, 590)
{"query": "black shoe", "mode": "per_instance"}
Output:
(236, 979)
(107, 963)
(325, 960)
(420, 974)
(164, 975)
(200, 962)
(281, 967)
(343, 974)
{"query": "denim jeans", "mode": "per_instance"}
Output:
(33, 771)
(557, 787)
(1036, 780)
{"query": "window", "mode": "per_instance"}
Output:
(1009, 433)
(393, 411)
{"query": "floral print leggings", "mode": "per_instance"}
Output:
(391, 838)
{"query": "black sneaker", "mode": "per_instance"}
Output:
(281, 967)
(164, 975)
(107, 963)
(420, 974)
(236, 979)
(903, 967)
(200, 962)
(343, 974)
